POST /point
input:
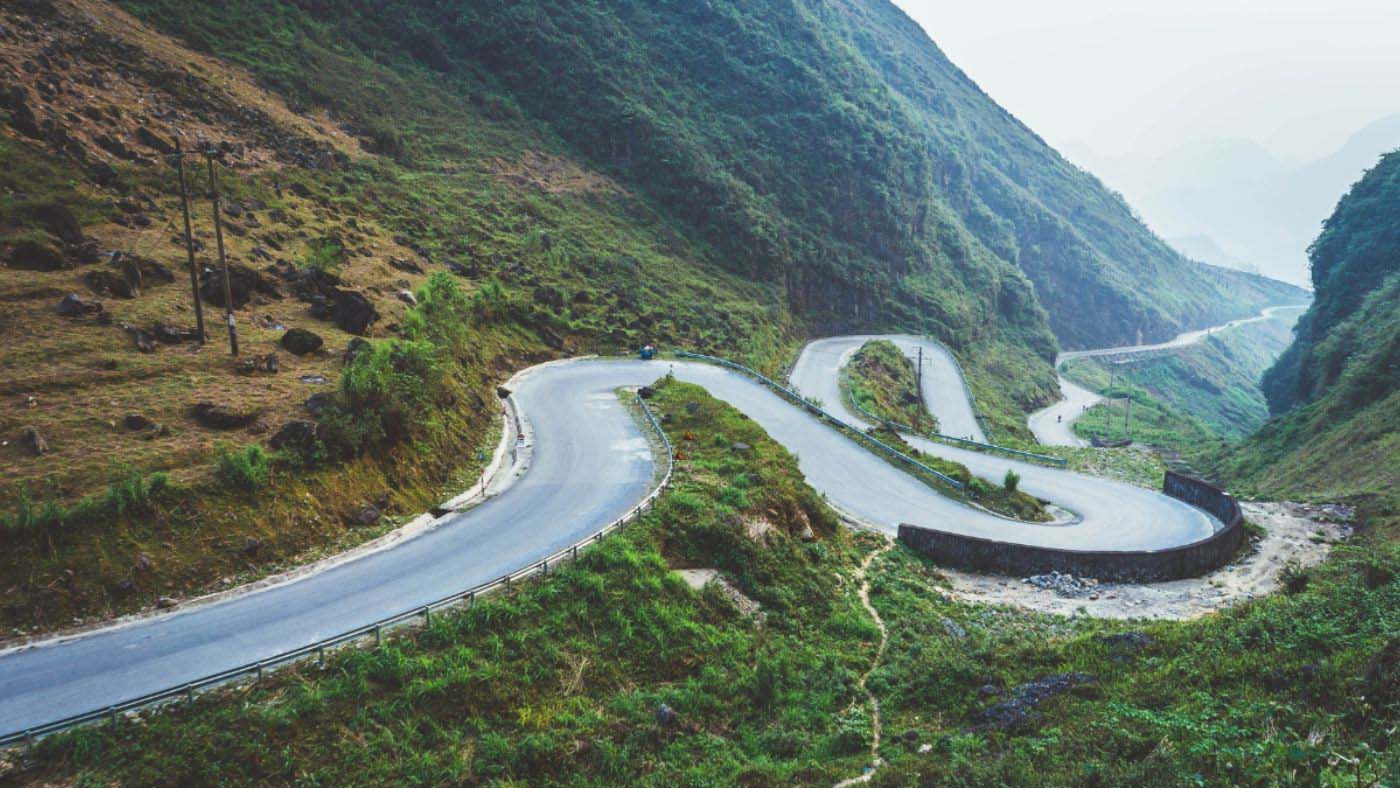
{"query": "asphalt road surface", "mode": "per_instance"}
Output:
(590, 463)
(1054, 425)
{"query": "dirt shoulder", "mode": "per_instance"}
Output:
(1297, 535)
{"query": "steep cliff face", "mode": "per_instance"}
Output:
(1336, 390)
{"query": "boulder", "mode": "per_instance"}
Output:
(316, 404)
(367, 515)
(355, 348)
(243, 283)
(221, 417)
(299, 341)
(665, 715)
(110, 284)
(154, 141)
(503, 392)
(74, 305)
(58, 220)
(953, 628)
(35, 442)
(136, 422)
(142, 339)
(170, 335)
(646, 392)
(353, 312)
(166, 602)
(298, 435)
(268, 363)
(36, 256)
(407, 297)
(407, 266)
(16, 99)
(550, 297)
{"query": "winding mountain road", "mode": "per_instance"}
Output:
(590, 463)
(1054, 425)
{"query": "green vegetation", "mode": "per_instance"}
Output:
(247, 471)
(561, 680)
(1337, 388)
(884, 382)
(130, 492)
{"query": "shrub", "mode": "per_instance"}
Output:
(133, 492)
(1012, 480)
(246, 470)
(976, 487)
(323, 255)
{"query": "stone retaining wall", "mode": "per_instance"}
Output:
(971, 552)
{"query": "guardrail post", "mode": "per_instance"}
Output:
(471, 598)
(574, 551)
(321, 655)
(189, 693)
(112, 715)
(378, 638)
(427, 616)
(544, 567)
(260, 671)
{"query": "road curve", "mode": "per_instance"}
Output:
(591, 462)
(1054, 425)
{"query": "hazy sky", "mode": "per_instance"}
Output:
(1128, 76)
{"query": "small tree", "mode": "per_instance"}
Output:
(1012, 480)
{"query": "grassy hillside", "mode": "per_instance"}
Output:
(1191, 399)
(1339, 383)
(564, 679)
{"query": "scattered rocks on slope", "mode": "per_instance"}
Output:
(316, 404)
(953, 628)
(171, 335)
(1066, 585)
(299, 435)
(268, 363)
(1025, 698)
(367, 515)
(407, 266)
(300, 342)
(221, 417)
(407, 297)
(35, 442)
(16, 99)
(74, 305)
(353, 312)
(36, 256)
(665, 715)
(137, 422)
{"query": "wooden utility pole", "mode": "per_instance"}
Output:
(223, 261)
(919, 381)
(189, 242)
(1128, 417)
(1108, 405)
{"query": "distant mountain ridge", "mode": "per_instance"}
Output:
(1248, 201)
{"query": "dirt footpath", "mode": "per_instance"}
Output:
(1298, 534)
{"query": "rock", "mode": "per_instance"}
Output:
(353, 312)
(243, 283)
(367, 515)
(136, 422)
(221, 417)
(355, 348)
(35, 442)
(233, 208)
(988, 690)
(316, 404)
(58, 220)
(646, 392)
(407, 266)
(152, 271)
(407, 297)
(142, 339)
(143, 563)
(252, 547)
(953, 628)
(36, 256)
(154, 141)
(299, 341)
(16, 99)
(110, 284)
(1026, 698)
(131, 273)
(268, 363)
(740, 447)
(299, 435)
(551, 337)
(170, 335)
(550, 297)
(165, 603)
(665, 715)
(124, 586)
(74, 305)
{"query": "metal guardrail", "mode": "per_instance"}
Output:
(1058, 461)
(376, 629)
(817, 410)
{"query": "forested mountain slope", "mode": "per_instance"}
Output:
(828, 147)
(1337, 387)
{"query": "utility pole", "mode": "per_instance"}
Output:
(189, 241)
(1128, 416)
(919, 382)
(223, 261)
(1108, 405)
